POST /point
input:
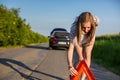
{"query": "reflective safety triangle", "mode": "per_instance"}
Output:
(82, 67)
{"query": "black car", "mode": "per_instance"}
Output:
(59, 37)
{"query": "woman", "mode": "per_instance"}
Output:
(82, 37)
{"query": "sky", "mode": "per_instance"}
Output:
(45, 15)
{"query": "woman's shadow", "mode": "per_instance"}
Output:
(6, 62)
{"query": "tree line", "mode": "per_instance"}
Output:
(14, 31)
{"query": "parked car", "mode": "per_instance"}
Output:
(59, 37)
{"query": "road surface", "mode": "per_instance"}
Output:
(39, 63)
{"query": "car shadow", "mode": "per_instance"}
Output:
(44, 47)
(7, 62)
(59, 48)
(38, 47)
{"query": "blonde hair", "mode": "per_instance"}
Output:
(82, 18)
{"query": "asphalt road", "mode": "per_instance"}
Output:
(39, 63)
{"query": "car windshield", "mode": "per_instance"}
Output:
(58, 29)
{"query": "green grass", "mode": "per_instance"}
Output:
(106, 52)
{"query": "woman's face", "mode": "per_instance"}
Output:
(86, 27)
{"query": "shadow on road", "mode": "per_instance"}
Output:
(45, 47)
(37, 47)
(7, 62)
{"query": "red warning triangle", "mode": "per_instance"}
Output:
(83, 68)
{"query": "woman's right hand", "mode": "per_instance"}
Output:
(73, 71)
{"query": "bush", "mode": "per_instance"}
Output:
(14, 31)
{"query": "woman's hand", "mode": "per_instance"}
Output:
(72, 71)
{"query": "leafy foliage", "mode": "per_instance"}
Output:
(14, 30)
(106, 52)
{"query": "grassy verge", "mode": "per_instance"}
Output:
(106, 52)
(17, 46)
